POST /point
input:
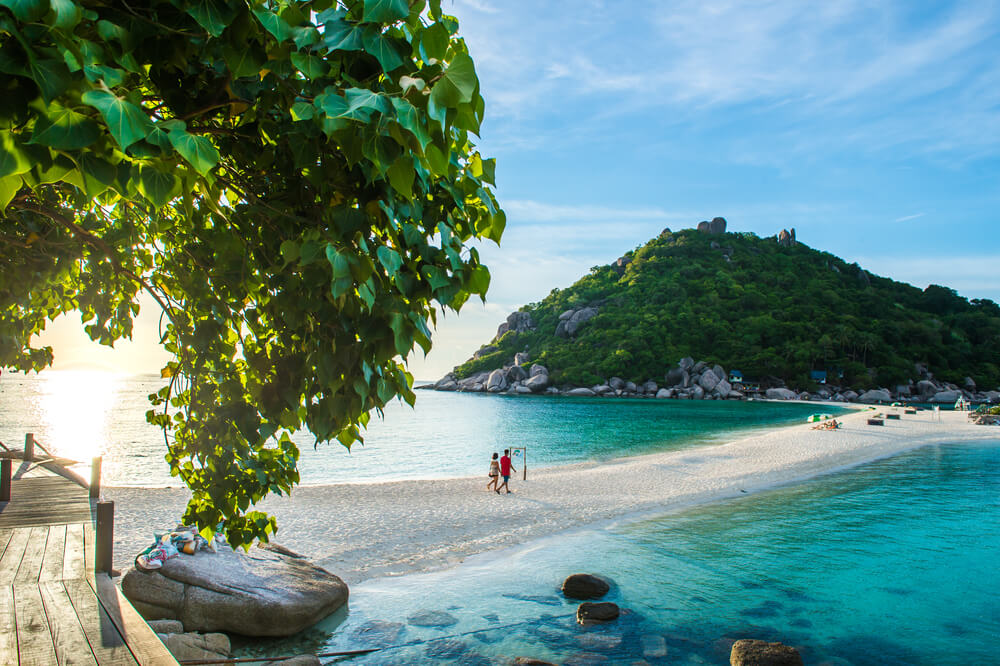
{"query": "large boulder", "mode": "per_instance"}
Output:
(992, 396)
(619, 265)
(538, 370)
(616, 383)
(723, 388)
(875, 395)
(926, 388)
(497, 381)
(717, 225)
(780, 394)
(485, 351)
(704, 226)
(194, 646)
(709, 380)
(676, 377)
(581, 392)
(665, 393)
(686, 363)
(585, 586)
(516, 373)
(850, 396)
(519, 322)
(536, 383)
(650, 387)
(945, 396)
(579, 318)
(749, 652)
(266, 591)
(520, 358)
(590, 612)
(697, 393)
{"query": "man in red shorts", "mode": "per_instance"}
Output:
(505, 469)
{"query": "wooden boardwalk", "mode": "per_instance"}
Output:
(54, 610)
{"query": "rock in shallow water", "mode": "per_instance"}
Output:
(585, 586)
(590, 612)
(257, 593)
(749, 652)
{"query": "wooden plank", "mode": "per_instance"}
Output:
(5, 539)
(73, 562)
(8, 630)
(106, 642)
(68, 640)
(89, 539)
(34, 642)
(31, 563)
(13, 554)
(145, 645)
(55, 549)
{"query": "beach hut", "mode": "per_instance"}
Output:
(735, 377)
(818, 376)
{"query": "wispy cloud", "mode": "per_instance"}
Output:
(907, 218)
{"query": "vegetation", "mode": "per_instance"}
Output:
(770, 311)
(292, 182)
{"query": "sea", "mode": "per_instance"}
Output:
(892, 562)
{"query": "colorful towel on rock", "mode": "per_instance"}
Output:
(184, 539)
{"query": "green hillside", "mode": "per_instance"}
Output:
(767, 308)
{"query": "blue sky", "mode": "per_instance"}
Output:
(873, 129)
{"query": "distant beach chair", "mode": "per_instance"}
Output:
(876, 422)
(892, 416)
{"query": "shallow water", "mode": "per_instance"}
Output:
(891, 563)
(81, 415)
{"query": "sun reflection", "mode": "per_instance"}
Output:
(75, 409)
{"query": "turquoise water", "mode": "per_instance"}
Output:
(891, 563)
(82, 415)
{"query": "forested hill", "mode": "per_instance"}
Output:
(771, 307)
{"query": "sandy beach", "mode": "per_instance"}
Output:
(361, 531)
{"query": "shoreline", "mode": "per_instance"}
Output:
(370, 530)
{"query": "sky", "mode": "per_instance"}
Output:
(873, 129)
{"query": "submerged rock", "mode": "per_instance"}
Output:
(432, 618)
(590, 612)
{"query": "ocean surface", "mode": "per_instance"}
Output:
(81, 415)
(894, 562)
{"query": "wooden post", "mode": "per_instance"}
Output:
(29, 446)
(5, 467)
(524, 465)
(105, 534)
(95, 478)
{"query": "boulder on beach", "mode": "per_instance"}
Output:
(193, 646)
(536, 383)
(497, 381)
(590, 612)
(709, 380)
(537, 369)
(261, 592)
(780, 394)
(585, 586)
(945, 396)
(751, 652)
(581, 392)
(875, 395)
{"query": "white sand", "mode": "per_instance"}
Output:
(360, 531)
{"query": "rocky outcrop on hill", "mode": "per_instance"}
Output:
(786, 238)
(570, 321)
(716, 226)
(519, 322)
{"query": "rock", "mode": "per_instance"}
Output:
(785, 239)
(805, 396)
(538, 370)
(620, 264)
(969, 384)
(991, 396)
(650, 387)
(630, 387)
(599, 641)
(194, 646)
(698, 368)
(850, 396)
(697, 393)
(664, 393)
(715, 245)
(719, 371)
(531, 661)
(446, 385)
(926, 388)
(518, 322)
(566, 315)
(579, 318)
(617, 383)
(735, 395)
(666, 232)
(590, 612)
(839, 397)
(580, 392)
(675, 377)
(875, 395)
(708, 380)
(863, 278)
(520, 358)
(380, 632)
(903, 390)
(166, 626)
(516, 373)
(257, 593)
(686, 363)
(522, 390)
(945, 396)
(497, 381)
(561, 330)
(601, 389)
(552, 390)
(485, 351)
(749, 652)
(723, 388)
(431, 618)
(299, 660)
(585, 586)
(536, 383)
(704, 226)
(717, 225)
(780, 394)
(653, 646)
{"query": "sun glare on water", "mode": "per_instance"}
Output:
(75, 409)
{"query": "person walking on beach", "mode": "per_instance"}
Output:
(505, 469)
(494, 473)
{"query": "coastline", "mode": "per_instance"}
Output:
(364, 531)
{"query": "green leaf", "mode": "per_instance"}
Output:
(401, 176)
(273, 23)
(383, 49)
(8, 189)
(243, 61)
(436, 277)
(126, 122)
(67, 14)
(457, 84)
(65, 129)
(303, 111)
(479, 281)
(367, 292)
(52, 77)
(157, 186)
(312, 66)
(197, 150)
(389, 259)
(340, 286)
(386, 11)
(111, 76)
(13, 158)
(412, 121)
(437, 160)
(305, 36)
(212, 15)
(357, 104)
(27, 11)
(340, 263)
(434, 42)
(339, 35)
(96, 174)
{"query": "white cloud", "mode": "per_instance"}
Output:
(907, 218)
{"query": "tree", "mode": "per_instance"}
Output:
(292, 181)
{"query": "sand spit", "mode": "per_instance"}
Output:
(361, 531)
